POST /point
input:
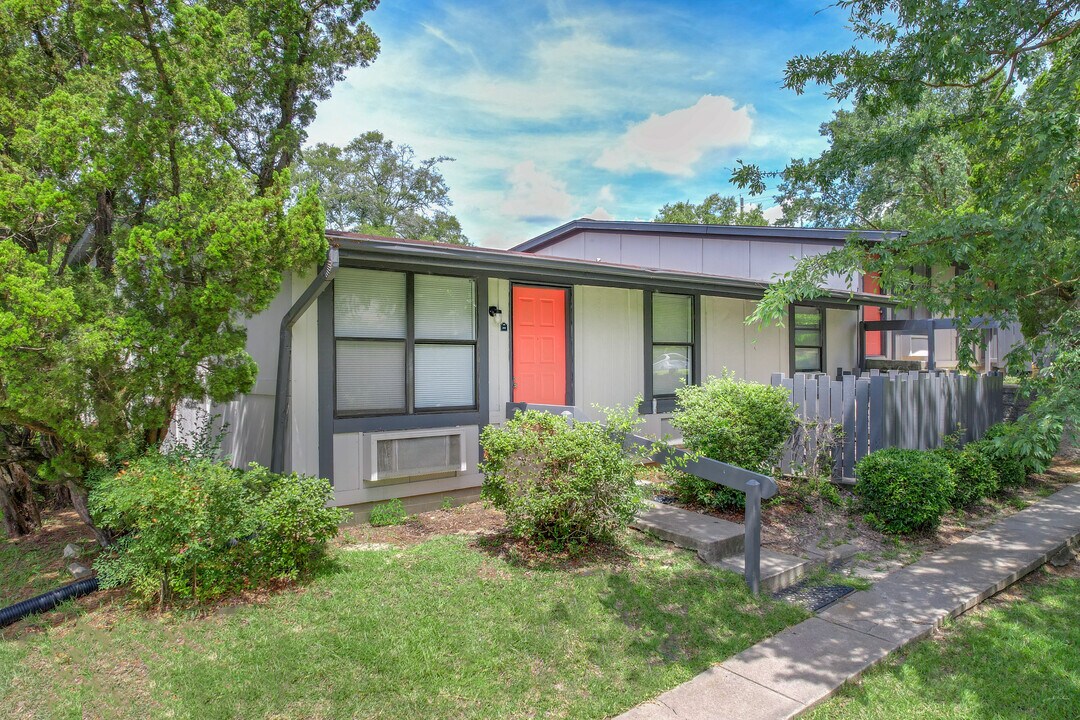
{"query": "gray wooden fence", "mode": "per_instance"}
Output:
(877, 410)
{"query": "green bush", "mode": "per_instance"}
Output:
(391, 512)
(737, 422)
(191, 530)
(904, 490)
(561, 485)
(974, 473)
(1033, 443)
(1010, 467)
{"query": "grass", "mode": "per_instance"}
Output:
(1013, 659)
(443, 629)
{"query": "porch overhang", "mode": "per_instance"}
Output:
(546, 269)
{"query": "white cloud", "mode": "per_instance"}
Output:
(536, 194)
(674, 142)
(599, 213)
(606, 195)
(773, 214)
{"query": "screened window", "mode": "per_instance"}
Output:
(405, 343)
(672, 342)
(807, 333)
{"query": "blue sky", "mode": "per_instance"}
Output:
(559, 110)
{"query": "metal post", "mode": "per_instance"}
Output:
(752, 539)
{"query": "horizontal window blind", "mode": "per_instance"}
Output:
(369, 303)
(672, 318)
(370, 376)
(445, 308)
(445, 376)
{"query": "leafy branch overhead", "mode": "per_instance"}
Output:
(145, 206)
(963, 132)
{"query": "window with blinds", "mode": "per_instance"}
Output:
(672, 342)
(405, 342)
(807, 339)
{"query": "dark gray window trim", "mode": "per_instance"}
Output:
(666, 403)
(569, 333)
(329, 425)
(791, 335)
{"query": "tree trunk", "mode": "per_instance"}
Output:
(18, 506)
(78, 501)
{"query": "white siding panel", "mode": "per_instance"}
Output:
(841, 339)
(680, 253)
(303, 450)
(498, 351)
(348, 463)
(722, 331)
(771, 258)
(604, 247)
(609, 347)
(641, 250)
(766, 349)
(721, 256)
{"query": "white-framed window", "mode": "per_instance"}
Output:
(404, 342)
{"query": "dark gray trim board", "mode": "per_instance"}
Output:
(540, 269)
(768, 232)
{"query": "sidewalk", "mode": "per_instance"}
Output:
(789, 673)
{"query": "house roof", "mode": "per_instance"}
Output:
(767, 232)
(527, 266)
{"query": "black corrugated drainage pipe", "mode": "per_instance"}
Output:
(284, 359)
(47, 601)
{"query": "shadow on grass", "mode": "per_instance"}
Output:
(521, 553)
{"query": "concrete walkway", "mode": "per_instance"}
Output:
(789, 673)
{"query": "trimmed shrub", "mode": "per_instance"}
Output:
(904, 491)
(733, 421)
(191, 530)
(561, 485)
(974, 472)
(391, 512)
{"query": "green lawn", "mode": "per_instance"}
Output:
(437, 630)
(1009, 659)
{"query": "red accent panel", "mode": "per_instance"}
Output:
(539, 337)
(875, 340)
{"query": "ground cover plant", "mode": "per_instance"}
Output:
(1015, 657)
(733, 421)
(445, 628)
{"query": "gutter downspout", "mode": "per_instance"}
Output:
(284, 364)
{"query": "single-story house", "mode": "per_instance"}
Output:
(379, 370)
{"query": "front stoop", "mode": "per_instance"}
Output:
(778, 570)
(720, 543)
(713, 539)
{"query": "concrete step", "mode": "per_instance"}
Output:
(778, 570)
(712, 538)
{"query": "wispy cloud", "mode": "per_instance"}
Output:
(536, 195)
(674, 142)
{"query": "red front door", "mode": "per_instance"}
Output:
(539, 345)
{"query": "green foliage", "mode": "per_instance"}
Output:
(145, 205)
(447, 504)
(374, 186)
(562, 485)
(1010, 466)
(733, 421)
(962, 130)
(1031, 441)
(975, 476)
(391, 512)
(191, 530)
(713, 210)
(904, 491)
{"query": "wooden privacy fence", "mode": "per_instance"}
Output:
(876, 410)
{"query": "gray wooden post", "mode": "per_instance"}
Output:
(752, 539)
